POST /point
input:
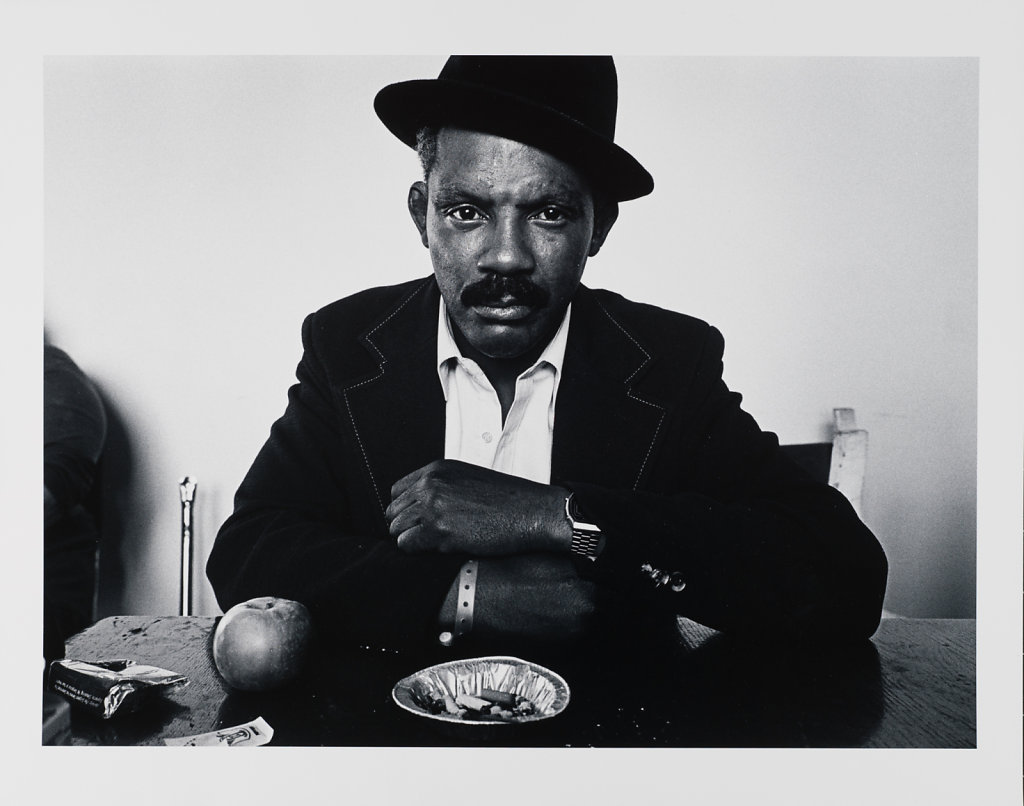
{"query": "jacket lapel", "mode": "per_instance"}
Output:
(398, 410)
(605, 426)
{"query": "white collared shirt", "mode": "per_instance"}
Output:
(473, 429)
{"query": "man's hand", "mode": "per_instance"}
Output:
(452, 506)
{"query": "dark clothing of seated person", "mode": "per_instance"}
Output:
(74, 428)
(497, 455)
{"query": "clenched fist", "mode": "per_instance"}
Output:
(451, 506)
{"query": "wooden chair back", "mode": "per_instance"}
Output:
(841, 462)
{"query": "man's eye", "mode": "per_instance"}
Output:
(465, 213)
(551, 214)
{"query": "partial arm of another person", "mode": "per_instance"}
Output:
(74, 430)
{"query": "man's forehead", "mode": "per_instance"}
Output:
(478, 161)
(456, 137)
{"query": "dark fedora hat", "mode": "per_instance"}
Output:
(564, 105)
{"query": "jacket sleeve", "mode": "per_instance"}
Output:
(74, 430)
(296, 533)
(746, 542)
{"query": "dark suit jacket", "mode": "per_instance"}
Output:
(657, 449)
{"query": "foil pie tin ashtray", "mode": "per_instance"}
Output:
(419, 693)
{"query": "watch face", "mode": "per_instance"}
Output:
(574, 509)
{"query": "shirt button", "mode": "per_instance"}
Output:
(487, 436)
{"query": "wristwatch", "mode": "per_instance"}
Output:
(586, 537)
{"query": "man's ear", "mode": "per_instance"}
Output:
(418, 208)
(603, 220)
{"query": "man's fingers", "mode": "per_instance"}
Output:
(398, 506)
(407, 481)
(414, 539)
(439, 467)
(403, 521)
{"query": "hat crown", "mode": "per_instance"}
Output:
(564, 105)
(583, 88)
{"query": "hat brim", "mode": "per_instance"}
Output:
(408, 106)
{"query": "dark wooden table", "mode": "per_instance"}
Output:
(911, 685)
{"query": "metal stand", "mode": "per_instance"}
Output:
(187, 489)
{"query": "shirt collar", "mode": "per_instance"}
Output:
(448, 351)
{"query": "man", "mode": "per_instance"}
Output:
(498, 455)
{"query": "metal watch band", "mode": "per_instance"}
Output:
(586, 537)
(585, 543)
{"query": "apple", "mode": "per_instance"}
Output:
(261, 644)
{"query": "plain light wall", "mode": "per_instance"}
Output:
(821, 212)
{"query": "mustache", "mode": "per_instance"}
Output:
(496, 290)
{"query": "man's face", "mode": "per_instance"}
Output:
(509, 229)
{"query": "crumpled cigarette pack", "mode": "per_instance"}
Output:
(106, 687)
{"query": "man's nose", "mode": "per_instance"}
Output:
(507, 249)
